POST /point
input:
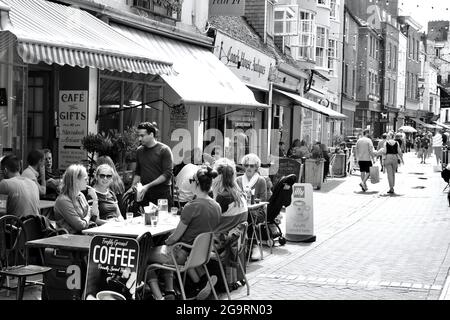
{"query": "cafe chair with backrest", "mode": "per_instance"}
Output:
(230, 254)
(198, 257)
(14, 256)
(257, 224)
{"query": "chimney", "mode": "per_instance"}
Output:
(255, 11)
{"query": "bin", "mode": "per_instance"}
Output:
(339, 165)
(314, 172)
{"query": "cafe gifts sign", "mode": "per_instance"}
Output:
(226, 7)
(72, 120)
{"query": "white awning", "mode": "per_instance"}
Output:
(53, 33)
(442, 125)
(425, 125)
(311, 105)
(199, 78)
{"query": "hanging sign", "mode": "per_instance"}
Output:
(299, 215)
(112, 268)
(72, 120)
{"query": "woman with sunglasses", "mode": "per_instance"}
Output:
(72, 211)
(252, 182)
(198, 216)
(107, 201)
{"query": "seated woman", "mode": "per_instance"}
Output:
(107, 202)
(229, 196)
(198, 216)
(252, 181)
(72, 211)
(117, 186)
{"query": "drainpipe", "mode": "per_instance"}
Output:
(343, 63)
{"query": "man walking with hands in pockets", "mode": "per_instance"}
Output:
(364, 155)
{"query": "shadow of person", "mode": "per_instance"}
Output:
(367, 193)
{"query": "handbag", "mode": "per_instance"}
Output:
(374, 174)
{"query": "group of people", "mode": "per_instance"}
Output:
(425, 143)
(389, 150)
(212, 197)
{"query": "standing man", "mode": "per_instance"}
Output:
(364, 154)
(36, 170)
(437, 146)
(154, 167)
(23, 194)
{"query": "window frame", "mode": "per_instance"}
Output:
(286, 21)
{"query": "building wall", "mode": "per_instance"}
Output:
(438, 30)
(401, 71)
(390, 65)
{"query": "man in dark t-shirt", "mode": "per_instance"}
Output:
(154, 167)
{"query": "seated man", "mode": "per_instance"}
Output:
(23, 194)
(53, 180)
(185, 192)
(36, 170)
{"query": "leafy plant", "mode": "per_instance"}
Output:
(130, 141)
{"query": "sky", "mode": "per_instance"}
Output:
(425, 10)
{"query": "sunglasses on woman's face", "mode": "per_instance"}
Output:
(252, 166)
(105, 176)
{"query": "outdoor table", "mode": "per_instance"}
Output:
(72, 242)
(135, 228)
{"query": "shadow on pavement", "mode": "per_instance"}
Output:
(368, 193)
(330, 185)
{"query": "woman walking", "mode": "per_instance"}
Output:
(393, 157)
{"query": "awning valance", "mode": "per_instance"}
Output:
(311, 105)
(53, 33)
(200, 78)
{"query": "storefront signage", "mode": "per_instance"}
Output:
(226, 7)
(72, 120)
(299, 215)
(286, 167)
(250, 65)
(112, 268)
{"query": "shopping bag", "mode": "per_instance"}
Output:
(374, 174)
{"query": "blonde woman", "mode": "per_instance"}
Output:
(228, 195)
(72, 211)
(107, 200)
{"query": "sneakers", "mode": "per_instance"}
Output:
(204, 293)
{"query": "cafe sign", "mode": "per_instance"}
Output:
(300, 214)
(250, 65)
(72, 121)
(226, 7)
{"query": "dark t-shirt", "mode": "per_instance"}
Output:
(153, 162)
(424, 143)
(200, 215)
(107, 205)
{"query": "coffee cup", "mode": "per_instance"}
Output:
(109, 295)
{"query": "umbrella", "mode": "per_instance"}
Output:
(408, 129)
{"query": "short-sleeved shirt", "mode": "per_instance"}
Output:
(107, 205)
(232, 214)
(33, 175)
(424, 143)
(200, 215)
(23, 196)
(364, 149)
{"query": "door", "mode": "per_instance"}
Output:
(40, 113)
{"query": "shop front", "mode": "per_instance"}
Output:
(204, 102)
(349, 110)
(50, 56)
(367, 116)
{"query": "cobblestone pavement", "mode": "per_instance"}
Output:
(369, 246)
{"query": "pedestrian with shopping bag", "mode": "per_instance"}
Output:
(394, 157)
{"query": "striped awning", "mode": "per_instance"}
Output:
(53, 33)
(200, 77)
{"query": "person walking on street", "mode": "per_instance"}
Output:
(154, 167)
(437, 146)
(393, 154)
(424, 145)
(381, 145)
(364, 155)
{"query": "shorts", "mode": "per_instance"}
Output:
(364, 166)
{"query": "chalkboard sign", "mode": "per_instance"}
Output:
(286, 166)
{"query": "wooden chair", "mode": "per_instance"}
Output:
(14, 255)
(198, 257)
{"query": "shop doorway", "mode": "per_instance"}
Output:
(40, 112)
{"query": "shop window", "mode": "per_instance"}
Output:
(127, 103)
(285, 20)
(321, 47)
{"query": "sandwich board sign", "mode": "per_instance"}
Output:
(300, 214)
(112, 268)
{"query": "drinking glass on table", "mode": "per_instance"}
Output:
(129, 217)
(154, 219)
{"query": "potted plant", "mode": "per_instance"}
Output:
(130, 144)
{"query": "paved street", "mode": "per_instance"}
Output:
(369, 246)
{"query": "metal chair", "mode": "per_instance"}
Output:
(14, 255)
(198, 257)
(239, 243)
(257, 234)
